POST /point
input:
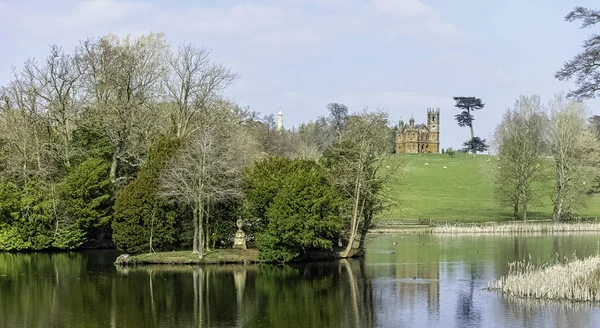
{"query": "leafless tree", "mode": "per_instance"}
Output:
(573, 148)
(57, 85)
(208, 169)
(521, 142)
(194, 81)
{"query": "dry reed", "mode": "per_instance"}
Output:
(576, 280)
(516, 227)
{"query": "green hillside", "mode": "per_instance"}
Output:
(463, 191)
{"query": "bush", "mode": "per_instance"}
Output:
(450, 152)
(303, 215)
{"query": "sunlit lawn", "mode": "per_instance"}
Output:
(463, 191)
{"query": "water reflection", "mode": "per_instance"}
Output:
(415, 281)
(329, 294)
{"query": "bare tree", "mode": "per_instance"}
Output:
(208, 169)
(521, 145)
(194, 81)
(57, 84)
(573, 147)
(123, 79)
(24, 128)
(354, 163)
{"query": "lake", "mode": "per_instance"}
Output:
(404, 281)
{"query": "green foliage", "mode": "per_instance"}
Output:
(68, 237)
(450, 152)
(303, 214)
(86, 193)
(261, 184)
(27, 216)
(91, 143)
(140, 212)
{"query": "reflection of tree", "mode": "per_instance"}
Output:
(67, 290)
(466, 312)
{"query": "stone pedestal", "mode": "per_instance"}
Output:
(239, 241)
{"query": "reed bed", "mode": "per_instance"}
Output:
(515, 227)
(575, 280)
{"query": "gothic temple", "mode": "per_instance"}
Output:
(420, 138)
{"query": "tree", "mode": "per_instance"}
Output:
(192, 84)
(87, 193)
(465, 118)
(584, 66)
(521, 139)
(142, 220)
(260, 184)
(123, 81)
(57, 83)
(574, 149)
(303, 215)
(338, 114)
(353, 163)
(208, 168)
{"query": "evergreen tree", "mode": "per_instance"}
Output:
(86, 193)
(300, 208)
(465, 118)
(143, 221)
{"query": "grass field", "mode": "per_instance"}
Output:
(463, 191)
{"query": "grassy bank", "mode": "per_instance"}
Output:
(576, 280)
(218, 256)
(462, 192)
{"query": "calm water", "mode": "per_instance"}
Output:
(430, 281)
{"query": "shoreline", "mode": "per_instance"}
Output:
(218, 256)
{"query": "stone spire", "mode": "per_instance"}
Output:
(280, 121)
(411, 121)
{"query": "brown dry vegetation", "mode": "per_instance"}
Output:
(575, 280)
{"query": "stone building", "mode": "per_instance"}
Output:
(420, 138)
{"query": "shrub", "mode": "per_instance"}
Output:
(450, 152)
(303, 215)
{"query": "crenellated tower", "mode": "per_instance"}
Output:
(433, 123)
(433, 119)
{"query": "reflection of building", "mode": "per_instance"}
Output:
(420, 138)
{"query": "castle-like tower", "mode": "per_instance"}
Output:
(420, 138)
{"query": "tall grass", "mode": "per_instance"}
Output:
(516, 227)
(575, 279)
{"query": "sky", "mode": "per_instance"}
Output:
(401, 56)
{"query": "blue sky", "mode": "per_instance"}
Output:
(399, 55)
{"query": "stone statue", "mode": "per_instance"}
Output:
(239, 241)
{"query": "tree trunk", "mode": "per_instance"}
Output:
(472, 135)
(355, 218)
(525, 211)
(195, 241)
(200, 231)
(558, 207)
(516, 210)
(114, 163)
